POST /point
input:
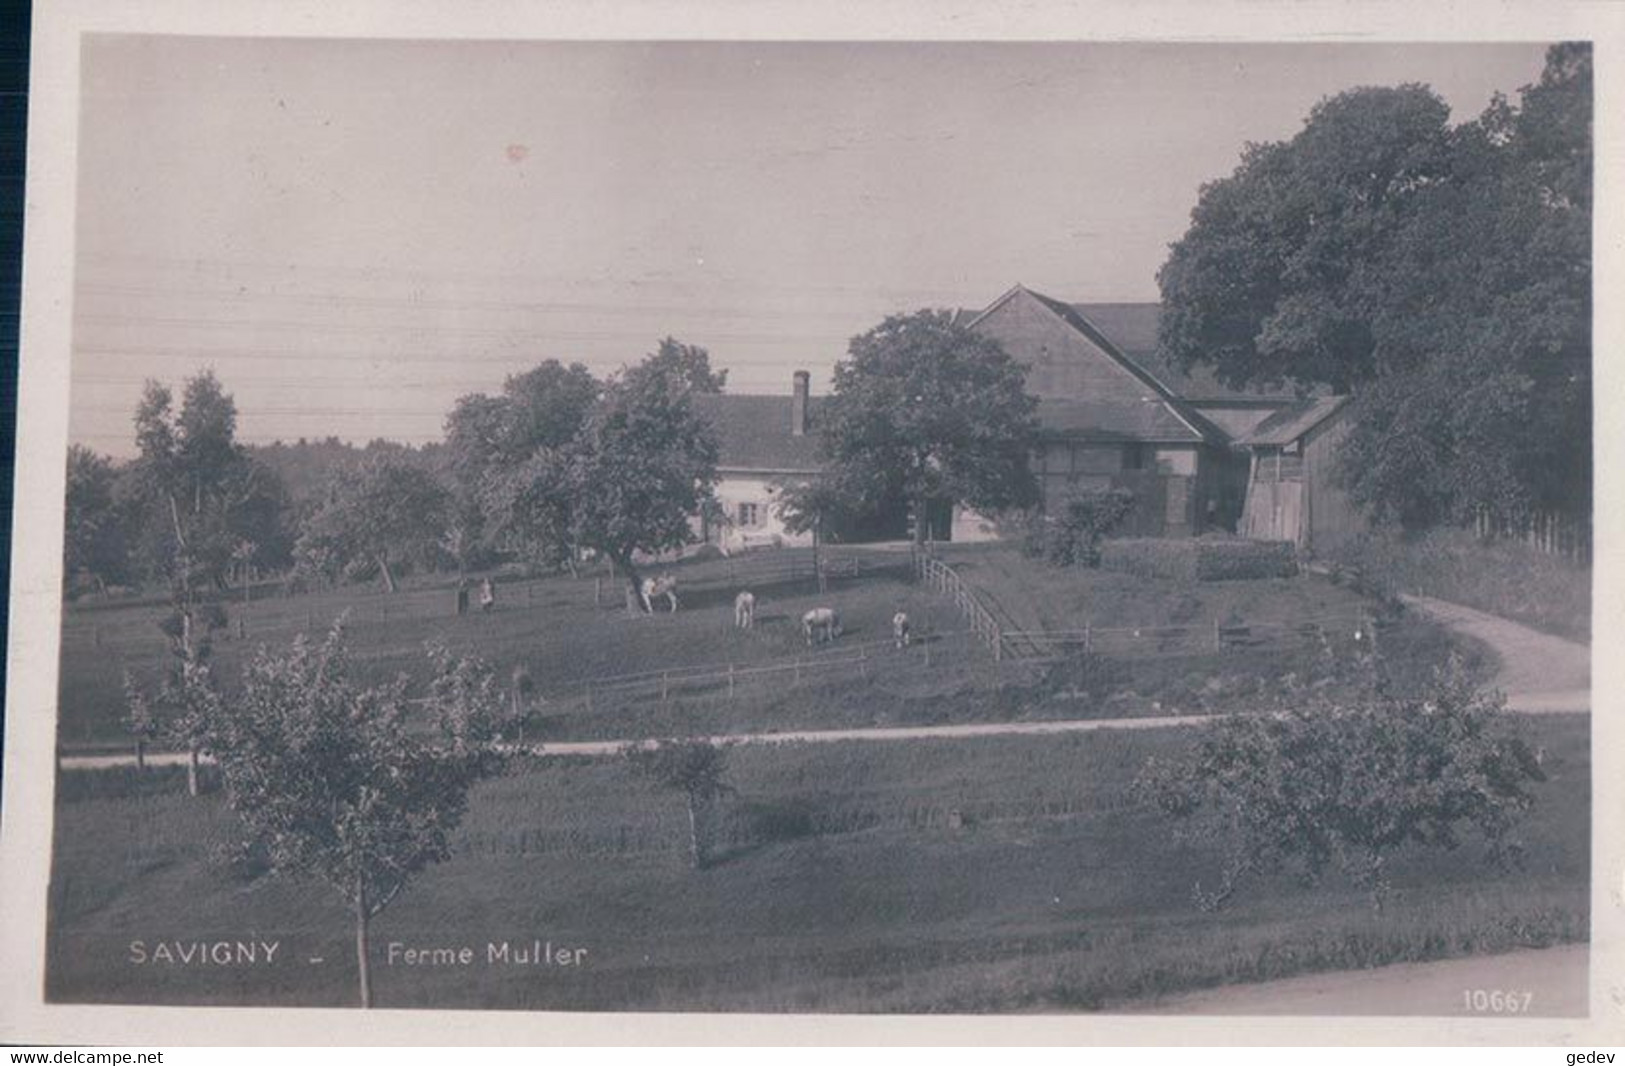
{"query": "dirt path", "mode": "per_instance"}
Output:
(1555, 979)
(801, 736)
(1540, 673)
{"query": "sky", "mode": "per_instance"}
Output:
(354, 233)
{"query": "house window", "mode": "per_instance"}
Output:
(747, 514)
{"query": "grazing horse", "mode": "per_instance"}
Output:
(656, 587)
(745, 610)
(900, 629)
(824, 621)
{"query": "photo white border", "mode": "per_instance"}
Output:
(25, 819)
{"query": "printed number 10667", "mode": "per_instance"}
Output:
(1480, 1001)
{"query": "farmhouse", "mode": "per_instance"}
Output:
(766, 443)
(1111, 414)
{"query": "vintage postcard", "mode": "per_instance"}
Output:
(682, 524)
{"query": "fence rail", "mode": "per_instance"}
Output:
(930, 570)
(1196, 638)
(874, 658)
(1544, 531)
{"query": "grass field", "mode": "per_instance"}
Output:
(846, 884)
(552, 627)
(1507, 578)
(555, 629)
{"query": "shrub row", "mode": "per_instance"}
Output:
(1200, 560)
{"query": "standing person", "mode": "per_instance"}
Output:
(488, 595)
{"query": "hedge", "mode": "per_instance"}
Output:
(1200, 560)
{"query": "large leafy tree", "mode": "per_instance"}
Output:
(928, 410)
(642, 464)
(338, 782)
(504, 460)
(1440, 274)
(379, 515)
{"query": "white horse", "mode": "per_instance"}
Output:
(900, 629)
(656, 587)
(745, 610)
(824, 621)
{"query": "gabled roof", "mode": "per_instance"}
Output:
(1149, 422)
(1161, 416)
(754, 433)
(1133, 327)
(1288, 424)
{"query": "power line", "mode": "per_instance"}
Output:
(620, 307)
(374, 273)
(523, 360)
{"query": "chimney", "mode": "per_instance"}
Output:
(798, 403)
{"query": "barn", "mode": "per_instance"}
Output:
(1291, 491)
(1108, 420)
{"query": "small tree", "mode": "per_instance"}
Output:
(193, 704)
(694, 768)
(188, 698)
(332, 782)
(140, 720)
(95, 539)
(1324, 784)
(815, 507)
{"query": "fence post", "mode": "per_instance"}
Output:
(598, 591)
(662, 686)
(998, 644)
(863, 662)
(730, 680)
(1218, 636)
(798, 670)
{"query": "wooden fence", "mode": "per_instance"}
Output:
(930, 570)
(878, 658)
(1147, 641)
(1543, 531)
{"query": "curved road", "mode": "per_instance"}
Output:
(1540, 673)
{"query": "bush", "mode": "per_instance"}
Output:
(1071, 535)
(1200, 560)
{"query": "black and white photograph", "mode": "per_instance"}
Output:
(976, 527)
